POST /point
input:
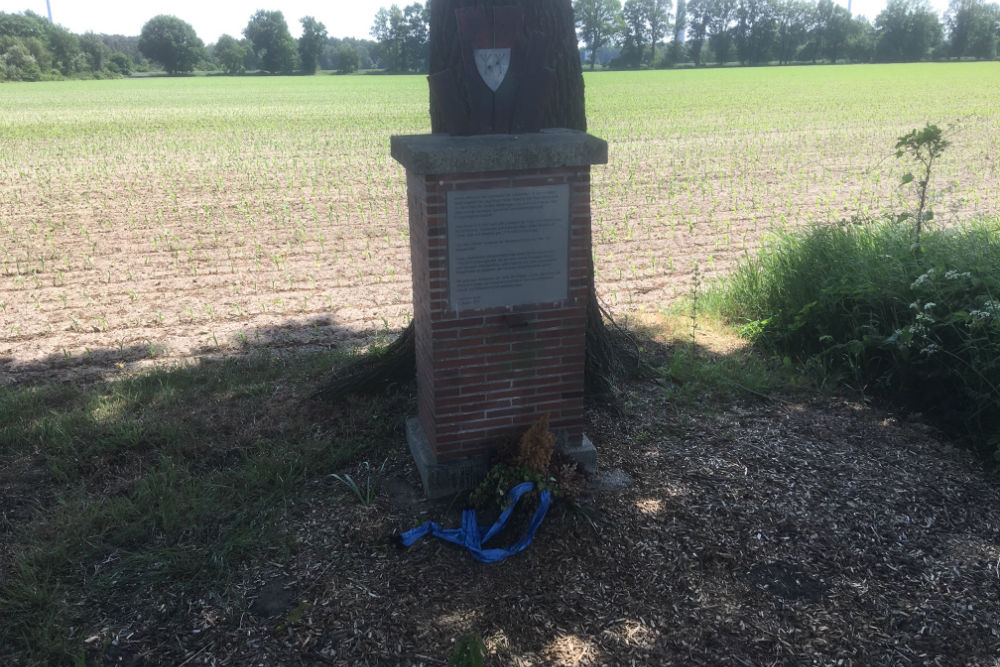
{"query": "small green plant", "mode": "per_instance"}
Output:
(924, 146)
(366, 490)
(695, 289)
(469, 651)
(491, 494)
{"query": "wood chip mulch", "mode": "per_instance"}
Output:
(769, 533)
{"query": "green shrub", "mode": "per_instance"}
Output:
(17, 64)
(921, 329)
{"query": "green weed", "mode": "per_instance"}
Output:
(920, 329)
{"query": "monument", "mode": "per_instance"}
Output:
(500, 244)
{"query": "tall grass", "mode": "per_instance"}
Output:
(919, 328)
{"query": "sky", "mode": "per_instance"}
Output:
(210, 19)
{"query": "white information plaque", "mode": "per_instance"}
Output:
(508, 246)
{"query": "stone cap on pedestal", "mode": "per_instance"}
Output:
(549, 149)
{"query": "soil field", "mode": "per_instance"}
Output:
(158, 220)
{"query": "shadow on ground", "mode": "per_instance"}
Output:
(778, 531)
(296, 337)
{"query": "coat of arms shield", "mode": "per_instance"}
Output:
(492, 65)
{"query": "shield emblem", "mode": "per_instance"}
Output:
(492, 65)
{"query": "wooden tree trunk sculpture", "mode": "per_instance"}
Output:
(610, 351)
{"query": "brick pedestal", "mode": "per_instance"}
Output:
(486, 373)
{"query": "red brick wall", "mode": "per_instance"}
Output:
(485, 374)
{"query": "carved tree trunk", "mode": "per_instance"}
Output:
(553, 18)
(610, 352)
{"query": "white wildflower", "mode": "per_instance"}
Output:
(922, 278)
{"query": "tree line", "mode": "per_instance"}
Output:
(266, 45)
(638, 33)
(33, 49)
(659, 33)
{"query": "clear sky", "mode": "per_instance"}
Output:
(343, 18)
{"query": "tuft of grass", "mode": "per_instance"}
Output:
(159, 484)
(919, 328)
(367, 489)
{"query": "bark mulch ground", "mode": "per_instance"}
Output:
(763, 533)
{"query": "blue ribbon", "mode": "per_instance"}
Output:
(472, 536)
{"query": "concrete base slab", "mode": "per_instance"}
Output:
(584, 453)
(450, 477)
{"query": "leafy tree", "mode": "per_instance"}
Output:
(754, 30)
(860, 46)
(272, 42)
(20, 25)
(658, 20)
(96, 51)
(596, 23)
(17, 64)
(415, 41)
(700, 15)
(57, 52)
(792, 18)
(330, 58)
(634, 14)
(720, 28)
(389, 30)
(120, 63)
(832, 23)
(230, 54)
(36, 47)
(985, 42)
(251, 61)
(402, 36)
(129, 45)
(311, 43)
(973, 29)
(347, 59)
(65, 48)
(907, 31)
(172, 43)
(50, 45)
(646, 21)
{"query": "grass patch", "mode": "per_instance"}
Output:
(161, 484)
(704, 361)
(920, 327)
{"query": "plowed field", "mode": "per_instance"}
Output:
(159, 220)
